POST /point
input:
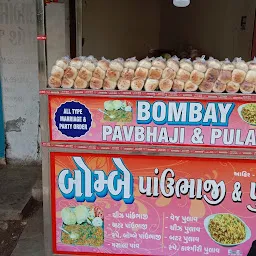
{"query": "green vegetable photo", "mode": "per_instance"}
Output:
(117, 111)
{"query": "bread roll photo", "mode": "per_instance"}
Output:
(67, 83)
(251, 77)
(196, 77)
(131, 63)
(227, 65)
(113, 75)
(70, 73)
(145, 63)
(159, 63)
(85, 74)
(137, 84)
(96, 83)
(173, 63)
(99, 73)
(212, 75)
(151, 85)
(169, 73)
(238, 76)
(76, 63)
(80, 83)
(117, 65)
(190, 86)
(225, 76)
(178, 86)
(151, 74)
(141, 73)
(57, 72)
(219, 87)
(241, 64)
(109, 84)
(103, 64)
(206, 86)
(200, 64)
(128, 73)
(165, 85)
(54, 82)
(183, 75)
(213, 63)
(155, 73)
(247, 88)
(63, 63)
(252, 64)
(89, 65)
(232, 87)
(123, 84)
(187, 65)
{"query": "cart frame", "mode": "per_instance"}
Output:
(44, 120)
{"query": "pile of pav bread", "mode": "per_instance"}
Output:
(155, 74)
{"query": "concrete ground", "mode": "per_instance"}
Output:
(32, 238)
(21, 214)
(16, 185)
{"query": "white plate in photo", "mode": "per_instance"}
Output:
(239, 110)
(248, 232)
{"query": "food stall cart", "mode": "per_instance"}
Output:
(173, 175)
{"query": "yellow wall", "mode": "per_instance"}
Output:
(114, 28)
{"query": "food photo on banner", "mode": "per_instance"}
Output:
(124, 204)
(153, 121)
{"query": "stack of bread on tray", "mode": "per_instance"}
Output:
(152, 74)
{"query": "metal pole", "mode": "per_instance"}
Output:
(41, 36)
(43, 81)
(44, 110)
(79, 27)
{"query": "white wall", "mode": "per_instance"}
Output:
(212, 26)
(58, 41)
(19, 79)
(19, 73)
(121, 28)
